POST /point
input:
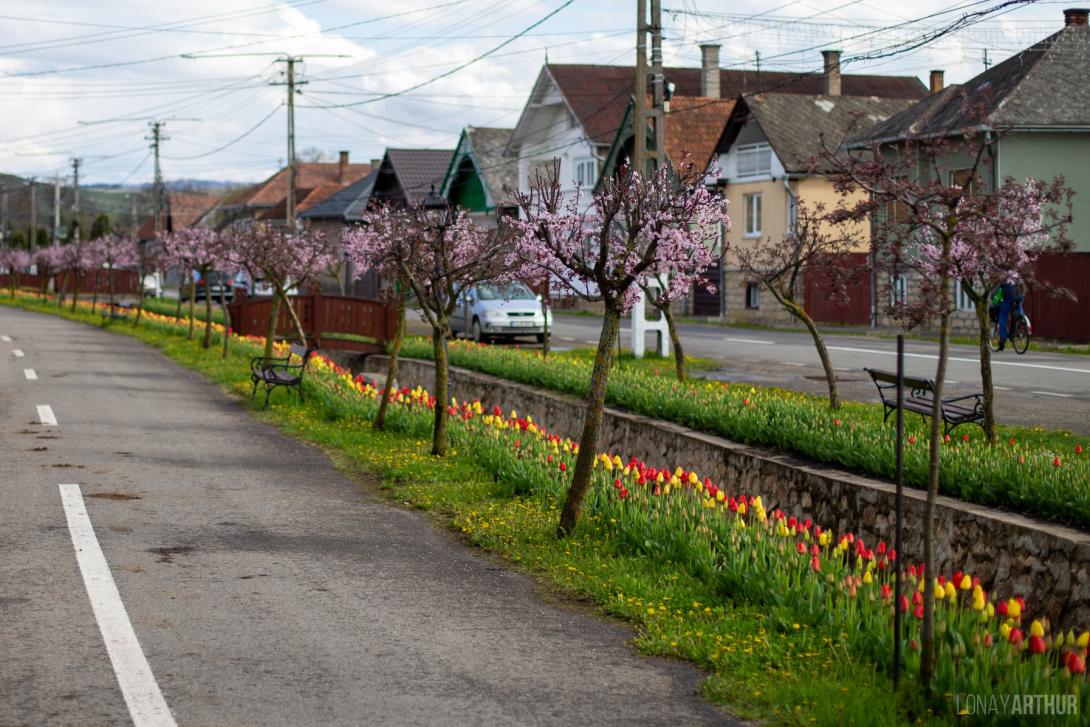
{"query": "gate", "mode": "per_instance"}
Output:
(819, 296)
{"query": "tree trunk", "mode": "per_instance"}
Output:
(293, 316)
(193, 301)
(110, 284)
(94, 292)
(226, 326)
(184, 283)
(63, 290)
(274, 318)
(395, 350)
(442, 374)
(823, 354)
(927, 629)
(139, 297)
(984, 322)
(545, 316)
(75, 292)
(592, 421)
(675, 341)
(207, 342)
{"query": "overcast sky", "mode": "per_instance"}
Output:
(62, 63)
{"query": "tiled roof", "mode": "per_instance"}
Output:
(598, 95)
(186, 207)
(418, 169)
(694, 126)
(795, 124)
(307, 176)
(1043, 86)
(346, 205)
(304, 200)
(497, 170)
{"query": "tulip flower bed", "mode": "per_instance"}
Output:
(649, 530)
(1031, 471)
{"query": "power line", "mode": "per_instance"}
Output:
(231, 143)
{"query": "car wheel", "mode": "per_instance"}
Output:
(540, 337)
(478, 335)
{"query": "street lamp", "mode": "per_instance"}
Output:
(436, 206)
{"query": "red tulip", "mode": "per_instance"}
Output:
(918, 613)
(965, 437)
(1037, 644)
(745, 402)
(887, 592)
(914, 645)
(815, 564)
(904, 603)
(836, 422)
(1056, 462)
(1021, 459)
(563, 467)
(518, 443)
(946, 437)
(1015, 636)
(1074, 663)
(800, 547)
(1078, 449)
(988, 640)
(1011, 441)
(624, 493)
(815, 550)
(911, 438)
(1001, 608)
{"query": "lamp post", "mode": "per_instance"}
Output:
(436, 206)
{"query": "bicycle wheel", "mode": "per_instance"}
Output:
(993, 340)
(1020, 335)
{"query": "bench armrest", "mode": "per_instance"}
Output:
(953, 399)
(262, 363)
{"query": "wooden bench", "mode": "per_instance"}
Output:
(117, 311)
(919, 397)
(280, 371)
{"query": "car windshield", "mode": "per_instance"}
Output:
(513, 291)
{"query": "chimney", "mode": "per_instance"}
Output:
(342, 167)
(1075, 16)
(832, 72)
(709, 70)
(375, 164)
(936, 81)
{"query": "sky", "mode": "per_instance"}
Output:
(83, 79)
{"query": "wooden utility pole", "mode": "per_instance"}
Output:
(658, 88)
(76, 162)
(639, 130)
(291, 83)
(32, 238)
(56, 237)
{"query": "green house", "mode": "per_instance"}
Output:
(480, 175)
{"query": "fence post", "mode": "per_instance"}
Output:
(317, 314)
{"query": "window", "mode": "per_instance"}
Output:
(964, 303)
(753, 296)
(585, 172)
(963, 178)
(898, 290)
(754, 160)
(752, 204)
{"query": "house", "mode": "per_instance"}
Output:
(407, 176)
(180, 210)
(480, 174)
(337, 212)
(267, 200)
(1037, 104)
(768, 162)
(574, 111)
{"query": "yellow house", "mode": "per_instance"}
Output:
(768, 156)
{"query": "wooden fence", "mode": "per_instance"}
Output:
(125, 282)
(819, 287)
(1061, 318)
(322, 317)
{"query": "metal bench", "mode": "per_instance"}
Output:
(919, 397)
(280, 371)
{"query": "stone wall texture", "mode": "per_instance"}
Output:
(1049, 564)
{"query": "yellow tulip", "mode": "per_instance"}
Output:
(940, 592)
(951, 593)
(693, 479)
(617, 461)
(867, 578)
(720, 496)
(741, 508)
(1035, 628)
(1083, 640)
(1014, 609)
(966, 583)
(978, 601)
(990, 609)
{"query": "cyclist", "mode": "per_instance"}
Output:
(1010, 297)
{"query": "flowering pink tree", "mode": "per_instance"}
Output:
(12, 261)
(186, 250)
(636, 226)
(115, 251)
(47, 259)
(441, 254)
(386, 238)
(933, 215)
(286, 260)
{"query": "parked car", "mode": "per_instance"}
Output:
(222, 287)
(153, 285)
(490, 311)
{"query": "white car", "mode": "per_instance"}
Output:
(490, 311)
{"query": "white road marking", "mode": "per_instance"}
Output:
(17, 352)
(794, 363)
(749, 340)
(1053, 393)
(46, 415)
(965, 360)
(590, 341)
(948, 381)
(146, 704)
(30, 374)
(5, 339)
(1002, 388)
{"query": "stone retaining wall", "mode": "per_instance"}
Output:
(1047, 563)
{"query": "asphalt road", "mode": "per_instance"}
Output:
(1036, 389)
(255, 585)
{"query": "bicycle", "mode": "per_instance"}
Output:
(1019, 329)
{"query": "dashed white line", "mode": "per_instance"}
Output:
(138, 686)
(30, 374)
(749, 340)
(1053, 393)
(46, 415)
(17, 352)
(1002, 388)
(5, 339)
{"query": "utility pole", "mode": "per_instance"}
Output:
(156, 138)
(4, 221)
(658, 87)
(987, 63)
(76, 162)
(56, 210)
(132, 216)
(32, 238)
(291, 83)
(639, 129)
